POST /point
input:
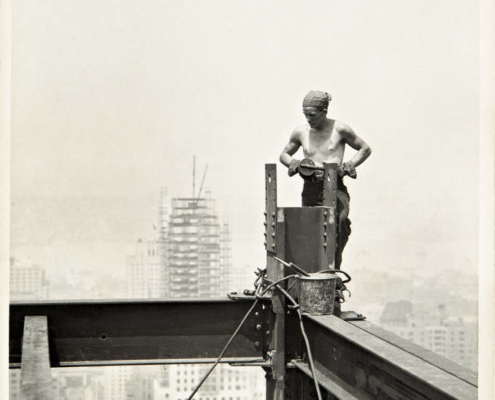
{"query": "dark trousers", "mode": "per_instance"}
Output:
(312, 196)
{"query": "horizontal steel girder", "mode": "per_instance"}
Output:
(361, 361)
(91, 333)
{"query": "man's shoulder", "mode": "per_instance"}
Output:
(342, 128)
(300, 131)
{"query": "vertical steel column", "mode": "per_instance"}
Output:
(305, 236)
(36, 377)
(311, 231)
(274, 223)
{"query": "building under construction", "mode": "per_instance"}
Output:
(198, 249)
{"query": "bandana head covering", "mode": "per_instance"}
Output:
(318, 99)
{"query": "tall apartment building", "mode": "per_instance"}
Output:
(145, 271)
(27, 281)
(455, 339)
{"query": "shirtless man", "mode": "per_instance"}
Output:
(323, 140)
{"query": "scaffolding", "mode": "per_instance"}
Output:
(195, 247)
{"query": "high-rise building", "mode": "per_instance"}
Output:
(144, 271)
(27, 281)
(198, 249)
(453, 338)
(116, 379)
(147, 272)
(199, 265)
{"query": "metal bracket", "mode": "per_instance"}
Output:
(271, 208)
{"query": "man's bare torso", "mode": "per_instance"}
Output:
(322, 145)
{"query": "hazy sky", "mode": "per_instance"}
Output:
(114, 98)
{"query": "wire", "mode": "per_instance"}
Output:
(306, 340)
(277, 282)
(258, 289)
(303, 331)
(223, 351)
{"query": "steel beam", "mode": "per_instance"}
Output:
(90, 333)
(36, 377)
(355, 362)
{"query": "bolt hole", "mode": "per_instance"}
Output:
(103, 336)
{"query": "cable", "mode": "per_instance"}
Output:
(277, 282)
(303, 331)
(223, 351)
(306, 340)
(198, 386)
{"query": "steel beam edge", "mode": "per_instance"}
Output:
(426, 355)
(376, 369)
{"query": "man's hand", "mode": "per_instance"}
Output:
(294, 167)
(348, 168)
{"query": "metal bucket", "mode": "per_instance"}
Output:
(317, 293)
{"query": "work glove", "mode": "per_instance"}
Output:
(348, 169)
(294, 167)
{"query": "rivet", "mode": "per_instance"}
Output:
(325, 245)
(258, 327)
(267, 333)
(273, 245)
(273, 234)
(324, 234)
(273, 215)
(273, 224)
(265, 243)
(265, 213)
(325, 224)
(264, 223)
(256, 313)
(257, 344)
(325, 213)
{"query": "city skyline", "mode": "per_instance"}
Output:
(145, 279)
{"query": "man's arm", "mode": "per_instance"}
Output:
(353, 140)
(288, 151)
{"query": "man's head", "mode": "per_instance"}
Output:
(315, 106)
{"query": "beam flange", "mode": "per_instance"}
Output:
(377, 369)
